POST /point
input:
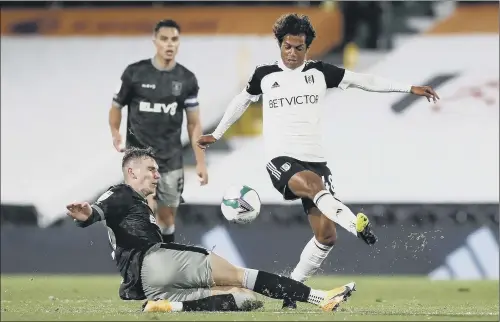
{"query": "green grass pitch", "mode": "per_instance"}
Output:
(90, 297)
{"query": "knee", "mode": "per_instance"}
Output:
(327, 240)
(314, 187)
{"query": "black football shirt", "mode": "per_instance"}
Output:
(156, 100)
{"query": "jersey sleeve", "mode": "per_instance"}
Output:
(333, 75)
(253, 86)
(123, 93)
(191, 101)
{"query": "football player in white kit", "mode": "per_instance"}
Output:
(293, 90)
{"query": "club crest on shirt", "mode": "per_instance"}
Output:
(176, 88)
(309, 79)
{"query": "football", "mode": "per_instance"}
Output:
(240, 204)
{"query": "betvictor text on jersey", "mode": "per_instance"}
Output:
(294, 100)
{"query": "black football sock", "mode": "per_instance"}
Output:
(168, 234)
(276, 286)
(168, 238)
(223, 302)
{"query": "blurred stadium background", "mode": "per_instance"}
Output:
(426, 174)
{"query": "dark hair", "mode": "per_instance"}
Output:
(167, 23)
(137, 153)
(294, 24)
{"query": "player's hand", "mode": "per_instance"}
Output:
(201, 170)
(117, 142)
(426, 91)
(205, 140)
(80, 211)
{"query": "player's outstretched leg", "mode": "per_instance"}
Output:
(224, 273)
(276, 286)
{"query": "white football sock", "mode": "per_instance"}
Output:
(316, 297)
(167, 230)
(336, 211)
(249, 278)
(177, 306)
(310, 260)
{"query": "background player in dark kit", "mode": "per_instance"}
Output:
(157, 91)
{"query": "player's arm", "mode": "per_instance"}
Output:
(194, 132)
(83, 214)
(121, 98)
(191, 105)
(344, 79)
(106, 206)
(234, 111)
(192, 108)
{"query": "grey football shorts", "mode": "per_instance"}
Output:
(170, 188)
(176, 272)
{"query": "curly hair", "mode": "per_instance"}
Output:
(294, 24)
(137, 153)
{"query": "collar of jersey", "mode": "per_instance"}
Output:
(162, 69)
(286, 69)
(136, 192)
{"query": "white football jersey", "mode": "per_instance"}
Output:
(292, 107)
